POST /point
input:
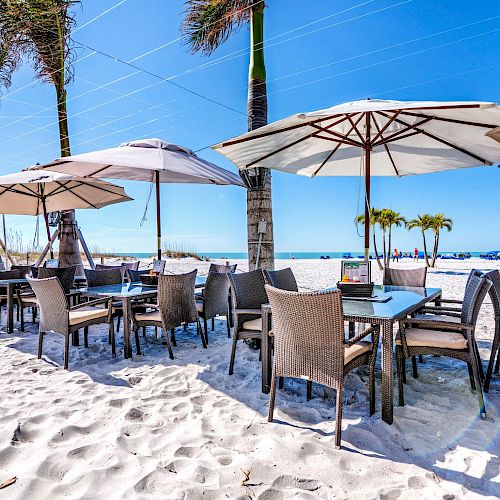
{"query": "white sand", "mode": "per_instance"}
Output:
(155, 428)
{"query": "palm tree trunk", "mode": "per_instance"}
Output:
(425, 250)
(69, 250)
(435, 249)
(259, 200)
(385, 249)
(389, 249)
(380, 266)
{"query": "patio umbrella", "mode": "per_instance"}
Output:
(150, 160)
(36, 192)
(372, 137)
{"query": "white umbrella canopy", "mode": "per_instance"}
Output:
(374, 138)
(151, 160)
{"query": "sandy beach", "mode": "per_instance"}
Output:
(183, 429)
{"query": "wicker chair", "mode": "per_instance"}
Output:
(13, 274)
(222, 268)
(309, 342)
(213, 301)
(248, 294)
(135, 276)
(56, 315)
(452, 338)
(494, 277)
(176, 306)
(24, 269)
(283, 279)
(405, 277)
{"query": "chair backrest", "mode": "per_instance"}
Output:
(65, 275)
(248, 289)
(52, 303)
(283, 279)
(101, 277)
(103, 267)
(216, 293)
(405, 277)
(135, 276)
(13, 274)
(308, 330)
(159, 266)
(176, 298)
(131, 265)
(24, 269)
(222, 268)
(475, 291)
(494, 291)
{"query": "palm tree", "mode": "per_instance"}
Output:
(40, 31)
(374, 219)
(391, 218)
(437, 223)
(208, 24)
(423, 222)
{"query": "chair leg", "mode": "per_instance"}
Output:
(272, 398)
(22, 319)
(489, 370)
(137, 342)
(228, 325)
(205, 327)
(403, 361)
(112, 337)
(66, 350)
(421, 358)
(338, 422)
(477, 380)
(233, 353)
(118, 320)
(213, 324)
(309, 390)
(144, 331)
(471, 378)
(40, 344)
(371, 388)
(479, 363)
(85, 336)
(172, 337)
(156, 331)
(497, 364)
(414, 366)
(281, 382)
(33, 314)
(400, 367)
(169, 346)
(204, 337)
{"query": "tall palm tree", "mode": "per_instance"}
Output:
(423, 222)
(208, 24)
(437, 223)
(391, 219)
(374, 219)
(40, 31)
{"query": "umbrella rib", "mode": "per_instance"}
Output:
(77, 195)
(356, 129)
(272, 132)
(388, 123)
(452, 120)
(286, 146)
(444, 141)
(343, 137)
(379, 133)
(397, 135)
(13, 190)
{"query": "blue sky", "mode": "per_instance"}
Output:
(399, 49)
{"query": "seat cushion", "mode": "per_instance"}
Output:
(29, 299)
(154, 316)
(356, 350)
(254, 325)
(436, 317)
(86, 313)
(419, 337)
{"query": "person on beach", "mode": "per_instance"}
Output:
(395, 255)
(415, 254)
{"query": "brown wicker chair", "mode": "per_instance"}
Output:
(134, 276)
(56, 315)
(24, 269)
(452, 338)
(213, 301)
(283, 279)
(248, 294)
(309, 343)
(176, 306)
(405, 277)
(222, 268)
(494, 277)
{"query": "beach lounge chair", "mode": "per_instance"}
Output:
(309, 343)
(451, 337)
(248, 294)
(57, 316)
(176, 306)
(213, 300)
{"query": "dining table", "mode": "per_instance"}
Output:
(387, 306)
(126, 293)
(10, 286)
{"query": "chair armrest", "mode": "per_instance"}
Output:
(362, 335)
(440, 310)
(248, 311)
(433, 325)
(450, 301)
(91, 303)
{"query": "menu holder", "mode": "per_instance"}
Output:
(356, 271)
(355, 289)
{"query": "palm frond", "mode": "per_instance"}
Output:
(209, 23)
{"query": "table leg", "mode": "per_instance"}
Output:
(10, 308)
(127, 347)
(387, 369)
(266, 353)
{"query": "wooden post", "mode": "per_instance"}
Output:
(47, 248)
(7, 254)
(86, 250)
(368, 148)
(158, 212)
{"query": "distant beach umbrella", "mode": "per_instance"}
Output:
(37, 192)
(151, 160)
(372, 138)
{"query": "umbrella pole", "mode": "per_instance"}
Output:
(46, 218)
(367, 188)
(158, 213)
